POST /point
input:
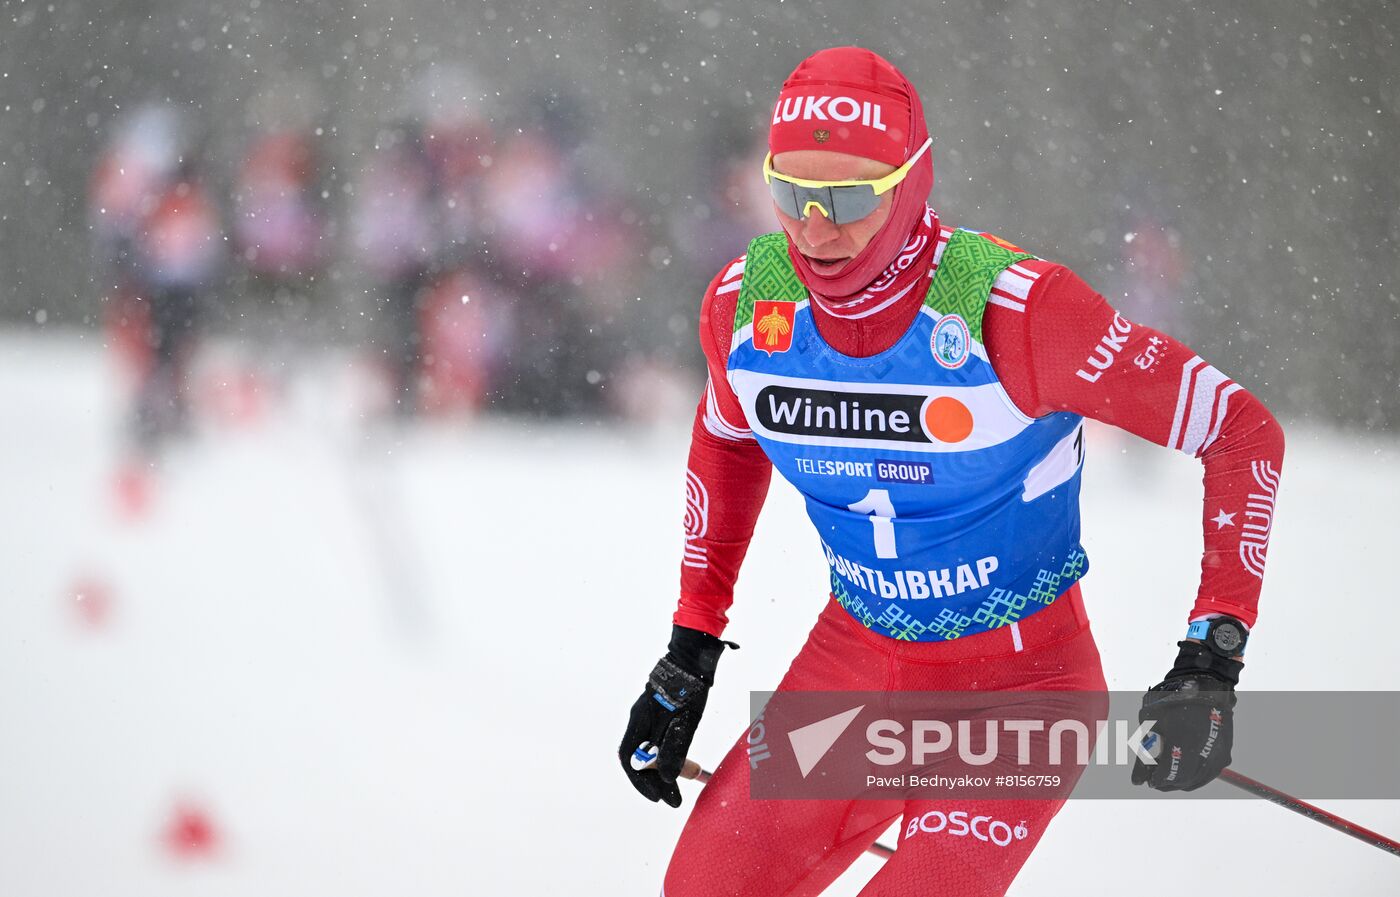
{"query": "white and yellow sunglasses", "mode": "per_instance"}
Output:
(840, 202)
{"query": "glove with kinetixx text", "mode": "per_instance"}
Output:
(1193, 710)
(664, 718)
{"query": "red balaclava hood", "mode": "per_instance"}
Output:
(850, 100)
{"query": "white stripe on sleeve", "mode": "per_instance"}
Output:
(714, 420)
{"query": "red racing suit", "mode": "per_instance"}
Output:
(1056, 345)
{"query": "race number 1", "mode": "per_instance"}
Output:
(877, 504)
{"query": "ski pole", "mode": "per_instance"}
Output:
(1316, 814)
(692, 770)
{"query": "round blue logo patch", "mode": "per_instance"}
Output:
(951, 341)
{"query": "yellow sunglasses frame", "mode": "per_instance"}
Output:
(880, 185)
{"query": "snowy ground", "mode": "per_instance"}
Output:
(400, 665)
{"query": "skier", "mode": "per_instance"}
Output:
(924, 388)
(155, 222)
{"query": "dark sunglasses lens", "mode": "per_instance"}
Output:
(852, 203)
(785, 197)
(842, 204)
(802, 199)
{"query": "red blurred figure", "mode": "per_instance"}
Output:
(421, 229)
(141, 157)
(467, 329)
(280, 226)
(156, 227)
(179, 253)
(460, 154)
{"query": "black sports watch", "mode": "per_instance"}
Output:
(1224, 636)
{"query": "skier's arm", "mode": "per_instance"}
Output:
(726, 480)
(1069, 350)
(727, 475)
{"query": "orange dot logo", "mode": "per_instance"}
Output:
(947, 420)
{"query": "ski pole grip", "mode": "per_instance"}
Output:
(689, 769)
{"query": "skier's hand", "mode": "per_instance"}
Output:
(1194, 729)
(664, 718)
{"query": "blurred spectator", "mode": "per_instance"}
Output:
(143, 152)
(279, 220)
(445, 323)
(465, 316)
(467, 330)
(397, 239)
(564, 241)
(507, 269)
(179, 253)
(156, 225)
(733, 207)
(459, 141)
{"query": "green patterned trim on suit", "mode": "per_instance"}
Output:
(768, 276)
(966, 273)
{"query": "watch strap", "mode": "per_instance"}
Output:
(1205, 630)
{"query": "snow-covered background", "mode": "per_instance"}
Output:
(352, 662)
(319, 653)
(1223, 171)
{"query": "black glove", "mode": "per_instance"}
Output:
(1195, 711)
(664, 718)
